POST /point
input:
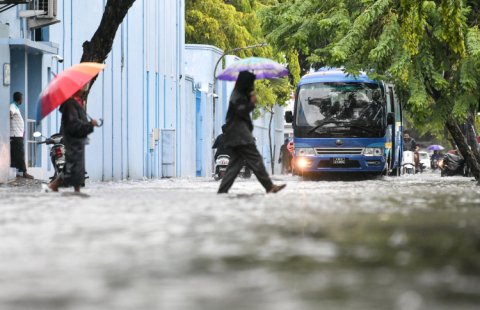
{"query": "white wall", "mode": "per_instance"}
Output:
(188, 119)
(144, 86)
(139, 90)
(4, 111)
(261, 133)
(28, 75)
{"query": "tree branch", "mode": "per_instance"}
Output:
(98, 48)
(100, 45)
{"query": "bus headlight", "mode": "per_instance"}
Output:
(303, 163)
(304, 151)
(373, 151)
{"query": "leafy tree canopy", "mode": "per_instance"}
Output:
(230, 24)
(225, 24)
(429, 49)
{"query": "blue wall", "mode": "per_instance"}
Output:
(139, 90)
(28, 75)
(147, 95)
(4, 110)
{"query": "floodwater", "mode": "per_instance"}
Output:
(407, 243)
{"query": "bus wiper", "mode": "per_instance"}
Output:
(324, 123)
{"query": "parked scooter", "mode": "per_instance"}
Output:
(221, 164)
(408, 164)
(453, 165)
(57, 151)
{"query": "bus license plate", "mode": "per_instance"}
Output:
(339, 161)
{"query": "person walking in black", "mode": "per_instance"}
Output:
(75, 128)
(17, 132)
(239, 139)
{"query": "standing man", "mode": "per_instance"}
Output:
(409, 144)
(239, 138)
(17, 131)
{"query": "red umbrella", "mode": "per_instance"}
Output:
(65, 85)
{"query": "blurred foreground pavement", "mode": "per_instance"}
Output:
(406, 243)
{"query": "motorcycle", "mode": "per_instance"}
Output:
(451, 165)
(220, 169)
(408, 163)
(434, 159)
(57, 151)
(434, 163)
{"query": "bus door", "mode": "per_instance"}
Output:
(391, 107)
(398, 129)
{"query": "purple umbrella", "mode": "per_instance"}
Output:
(263, 68)
(435, 147)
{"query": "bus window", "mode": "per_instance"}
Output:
(398, 110)
(391, 100)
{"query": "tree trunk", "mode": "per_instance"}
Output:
(471, 135)
(98, 48)
(272, 153)
(463, 146)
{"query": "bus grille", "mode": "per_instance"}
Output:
(339, 151)
(348, 164)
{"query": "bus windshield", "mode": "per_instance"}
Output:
(349, 108)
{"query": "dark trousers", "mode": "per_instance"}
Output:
(254, 161)
(17, 154)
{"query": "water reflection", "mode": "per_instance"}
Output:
(406, 243)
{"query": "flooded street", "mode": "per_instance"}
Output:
(405, 243)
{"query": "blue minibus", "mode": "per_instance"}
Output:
(346, 124)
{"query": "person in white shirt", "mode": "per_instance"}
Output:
(17, 130)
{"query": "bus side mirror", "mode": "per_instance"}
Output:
(289, 117)
(390, 118)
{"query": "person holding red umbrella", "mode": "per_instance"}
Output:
(68, 90)
(75, 129)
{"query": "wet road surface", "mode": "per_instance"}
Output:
(394, 243)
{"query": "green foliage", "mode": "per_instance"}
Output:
(429, 49)
(231, 24)
(294, 66)
(221, 24)
(306, 26)
(269, 93)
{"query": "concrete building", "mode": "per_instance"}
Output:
(139, 95)
(156, 96)
(24, 59)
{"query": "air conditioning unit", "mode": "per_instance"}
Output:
(14, 1)
(47, 6)
(8, 4)
(42, 13)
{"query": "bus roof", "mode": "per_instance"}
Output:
(333, 75)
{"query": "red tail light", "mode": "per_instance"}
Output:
(58, 152)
